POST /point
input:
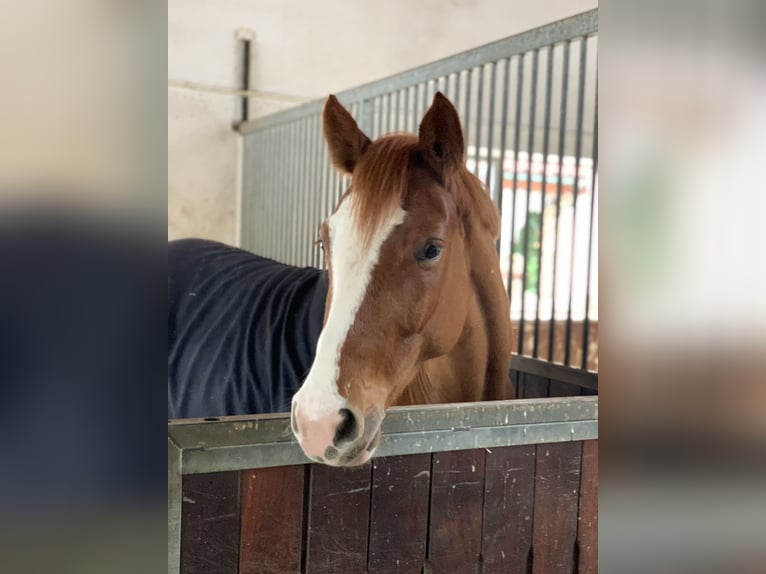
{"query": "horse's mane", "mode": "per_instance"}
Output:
(380, 183)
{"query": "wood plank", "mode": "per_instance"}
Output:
(557, 485)
(457, 491)
(587, 531)
(399, 515)
(508, 508)
(272, 520)
(339, 513)
(210, 523)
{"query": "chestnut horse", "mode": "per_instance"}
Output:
(416, 311)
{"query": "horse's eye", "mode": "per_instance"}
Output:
(430, 252)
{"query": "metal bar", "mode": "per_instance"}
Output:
(245, 78)
(395, 110)
(410, 116)
(220, 432)
(575, 193)
(503, 133)
(458, 79)
(241, 457)
(562, 139)
(288, 229)
(559, 373)
(249, 228)
(467, 114)
(586, 322)
(304, 257)
(366, 115)
(491, 129)
(389, 113)
(174, 507)
(516, 143)
(479, 110)
(232, 443)
(316, 184)
(407, 92)
(276, 193)
(530, 153)
(546, 142)
(584, 24)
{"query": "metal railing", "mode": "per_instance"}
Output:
(528, 105)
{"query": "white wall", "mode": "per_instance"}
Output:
(302, 50)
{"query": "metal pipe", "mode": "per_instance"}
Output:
(544, 190)
(562, 139)
(527, 230)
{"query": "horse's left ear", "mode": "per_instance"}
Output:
(345, 141)
(441, 136)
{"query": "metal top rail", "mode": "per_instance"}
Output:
(238, 443)
(584, 24)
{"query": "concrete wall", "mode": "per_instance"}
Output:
(302, 50)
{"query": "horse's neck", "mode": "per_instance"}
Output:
(477, 366)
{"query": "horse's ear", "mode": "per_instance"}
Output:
(441, 136)
(345, 140)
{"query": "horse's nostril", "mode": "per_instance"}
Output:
(347, 429)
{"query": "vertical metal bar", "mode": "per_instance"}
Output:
(311, 194)
(267, 145)
(491, 129)
(408, 120)
(546, 142)
(503, 133)
(389, 113)
(586, 322)
(423, 105)
(294, 214)
(479, 109)
(245, 78)
(289, 186)
(253, 184)
(275, 191)
(318, 172)
(274, 141)
(467, 116)
(295, 168)
(530, 150)
(516, 140)
(456, 101)
(303, 199)
(367, 115)
(562, 138)
(578, 157)
(442, 84)
(287, 195)
(395, 111)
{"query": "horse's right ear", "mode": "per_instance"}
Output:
(345, 141)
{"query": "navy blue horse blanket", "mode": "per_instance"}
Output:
(242, 329)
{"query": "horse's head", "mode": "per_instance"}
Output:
(399, 277)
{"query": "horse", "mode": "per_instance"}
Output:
(415, 310)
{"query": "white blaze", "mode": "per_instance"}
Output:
(351, 271)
